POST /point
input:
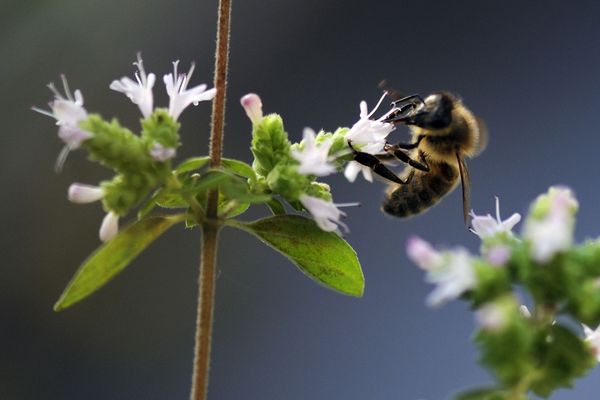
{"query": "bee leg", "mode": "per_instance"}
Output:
(369, 160)
(397, 151)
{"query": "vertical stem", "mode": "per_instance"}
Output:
(210, 229)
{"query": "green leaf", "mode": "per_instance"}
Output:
(191, 164)
(276, 207)
(239, 167)
(323, 256)
(112, 257)
(206, 181)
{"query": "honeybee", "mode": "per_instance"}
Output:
(444, 133)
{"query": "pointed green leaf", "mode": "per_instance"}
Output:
(239, 167)
(323, 256)
(192, 164)
(276, 207)
(112, 257)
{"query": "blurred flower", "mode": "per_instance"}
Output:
(593, 338)
(179, 96)
(497, 255)
(139, 92)
(492, 317)
(68, 112)
(109, 227)
(549, 227)
(486, 226)
(81, 193)
(453, 278)
(423, 254)
(161, 153)
(253, 107)
(313, 158)
(326, 214)
(524, 311)
(353, 168)
(451, 271)
(369, 135)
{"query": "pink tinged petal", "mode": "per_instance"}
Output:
(253, 107)
(109, 227)
(73, 136)
(593, 338)
(423, 254)
(81, 193)
(160, 153)
(498, 255)
(491, 317)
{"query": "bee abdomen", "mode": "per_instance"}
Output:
(425, 190)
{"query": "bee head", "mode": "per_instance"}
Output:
(434, 112)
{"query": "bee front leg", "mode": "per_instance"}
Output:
(369, 160)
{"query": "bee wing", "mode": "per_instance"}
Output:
(483, 138)
(392, 93)
(465, 180)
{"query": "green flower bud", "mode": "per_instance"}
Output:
(286, 181)
(270, 144)
(160, 127)
(320, 190)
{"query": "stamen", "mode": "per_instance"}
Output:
(52, 88)
(498, 209)
(66, 87)
(377, 105)
(44, 112)
(187, 77)
(355, 204)
(61, 159)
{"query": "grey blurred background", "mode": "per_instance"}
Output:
(530, 69)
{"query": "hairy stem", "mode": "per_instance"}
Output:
(210, 229)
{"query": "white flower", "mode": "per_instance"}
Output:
(109, 227)
(81, 193)
(253, 107)
(451, 271)
(179, 96)
(68, 112)
(161, 153)
(326, 214)
(491, 317)
(552, 232)
(423, 254)
(593, 338)
(486, 226)
(354, 167)
(313, 158)
(369, 135)
(139, 92)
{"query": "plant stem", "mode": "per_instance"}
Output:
(210, 229)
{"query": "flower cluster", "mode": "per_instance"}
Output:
(290, 170)
(142, 162)
(527, 351)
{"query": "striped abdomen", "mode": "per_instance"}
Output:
(422, 192)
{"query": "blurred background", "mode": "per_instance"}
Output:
(530, 69)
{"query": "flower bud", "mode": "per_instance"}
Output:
(253, 107)
(109, 227)
(81, 193)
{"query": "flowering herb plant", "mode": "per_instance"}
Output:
(527, 351)
(535, 351)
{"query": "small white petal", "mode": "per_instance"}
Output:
(325, 213)
(453, 278)
(139, 91)
(81, 193)
(486, 226)
(498, 255)
(109, 227)
(179, 96)
(369, 135)
(160, 153)
(593, 338)
(314, 158)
